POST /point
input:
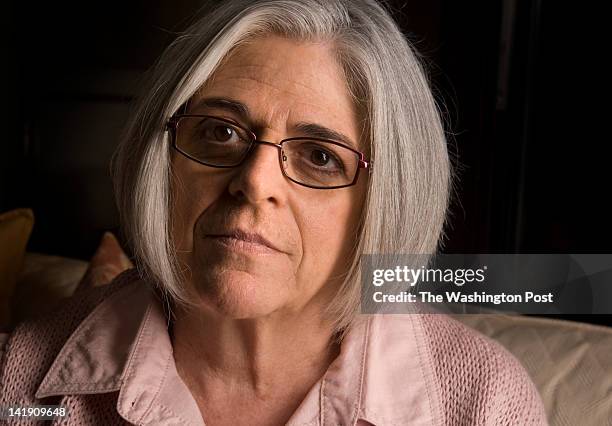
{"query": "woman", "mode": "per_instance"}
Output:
(276, 143)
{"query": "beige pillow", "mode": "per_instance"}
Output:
(46, 281)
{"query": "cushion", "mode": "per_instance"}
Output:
(569, 362)
(15, 229)
(108, 261)
(43, 283)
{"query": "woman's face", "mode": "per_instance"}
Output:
(282, 83)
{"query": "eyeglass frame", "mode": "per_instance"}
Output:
(172, 127)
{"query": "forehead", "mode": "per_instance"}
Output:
(285, 82)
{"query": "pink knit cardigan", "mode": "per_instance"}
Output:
(474, 380)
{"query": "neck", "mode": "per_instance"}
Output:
(255, 359)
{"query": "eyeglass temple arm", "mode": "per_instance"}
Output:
(363, 164)
(172, 123)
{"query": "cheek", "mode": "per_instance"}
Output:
(329, 232)
(193, 191)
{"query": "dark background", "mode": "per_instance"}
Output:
(521, 80)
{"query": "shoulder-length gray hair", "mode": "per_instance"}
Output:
(408, 194)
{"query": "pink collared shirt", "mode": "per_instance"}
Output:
(390, 371)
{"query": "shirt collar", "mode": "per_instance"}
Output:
(386, 371)
(124, 345)
(383, 374)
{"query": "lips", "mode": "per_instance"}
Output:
(243, 236)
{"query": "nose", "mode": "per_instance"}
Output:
(259, 178)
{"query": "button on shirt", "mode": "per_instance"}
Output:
(382, 376)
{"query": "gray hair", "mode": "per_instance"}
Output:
(408, 194)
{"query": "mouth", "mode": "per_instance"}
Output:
(244, 241)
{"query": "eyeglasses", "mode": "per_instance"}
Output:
(311, 162)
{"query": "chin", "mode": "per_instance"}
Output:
(239, 294)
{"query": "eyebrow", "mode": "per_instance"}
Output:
(312, 130)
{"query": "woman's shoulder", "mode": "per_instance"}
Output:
(76, 307)
(31, 347)
(475, 377)
(66, 317)
(493, 380)
(453, 345)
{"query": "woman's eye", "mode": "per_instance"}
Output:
(323, 159)
(210, 130)
(219, 133)
(320, 158)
